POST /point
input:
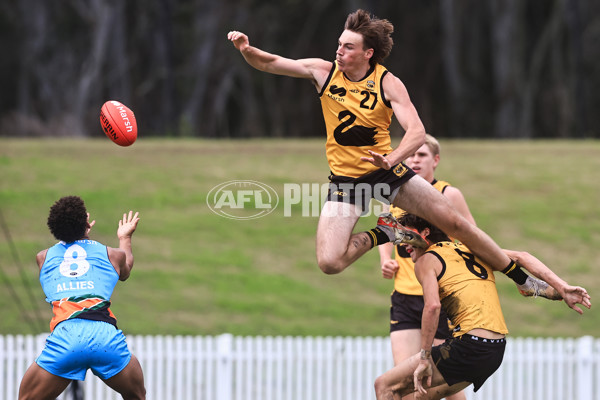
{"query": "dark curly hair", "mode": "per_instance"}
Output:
(68, 220)
(376, 33)
(435, 234)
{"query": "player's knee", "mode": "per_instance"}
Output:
(381, 389)
(330, 265)
(402, 386)
(138, 394)
(457, 226)
(135, 391)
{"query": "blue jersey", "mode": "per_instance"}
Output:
(78, 280)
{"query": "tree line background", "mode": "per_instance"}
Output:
(473, 68)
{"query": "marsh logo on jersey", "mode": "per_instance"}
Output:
(242, 199)
(337, 93)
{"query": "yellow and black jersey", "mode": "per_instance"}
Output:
(467, 290)
(405, 281)
(357, 118)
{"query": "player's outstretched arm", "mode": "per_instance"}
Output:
(90, 226)
(314, 69)
(407, 116)
(122, 258)
(572, 295)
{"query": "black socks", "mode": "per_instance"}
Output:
(378, 236)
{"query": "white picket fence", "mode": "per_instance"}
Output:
(230, 367)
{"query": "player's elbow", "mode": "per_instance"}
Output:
(125, 273)
(521, 257)
(432, 308)
(417, 134)
(421, 134)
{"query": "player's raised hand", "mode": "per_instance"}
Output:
(90, 225)
(239, 39)
(377, 160)
(127, 225)
(573, 295)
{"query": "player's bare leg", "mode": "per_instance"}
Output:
(418, 197)
(454, 392)
(399, 381)
(337, 246)
(407, 342)
(39, 384)
(130, 381)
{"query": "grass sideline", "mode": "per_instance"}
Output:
(197, 273)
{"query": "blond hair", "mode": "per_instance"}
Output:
(433, 144)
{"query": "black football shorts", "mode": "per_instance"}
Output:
(468, 358)
(381, 184)
(406, 312)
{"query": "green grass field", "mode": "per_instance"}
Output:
(197, 273)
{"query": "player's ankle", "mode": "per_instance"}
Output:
(380, 234)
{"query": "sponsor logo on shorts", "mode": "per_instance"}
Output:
(400, 170)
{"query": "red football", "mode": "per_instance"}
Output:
(118, 122)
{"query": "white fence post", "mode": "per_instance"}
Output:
(584, 370)
(225, 367)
